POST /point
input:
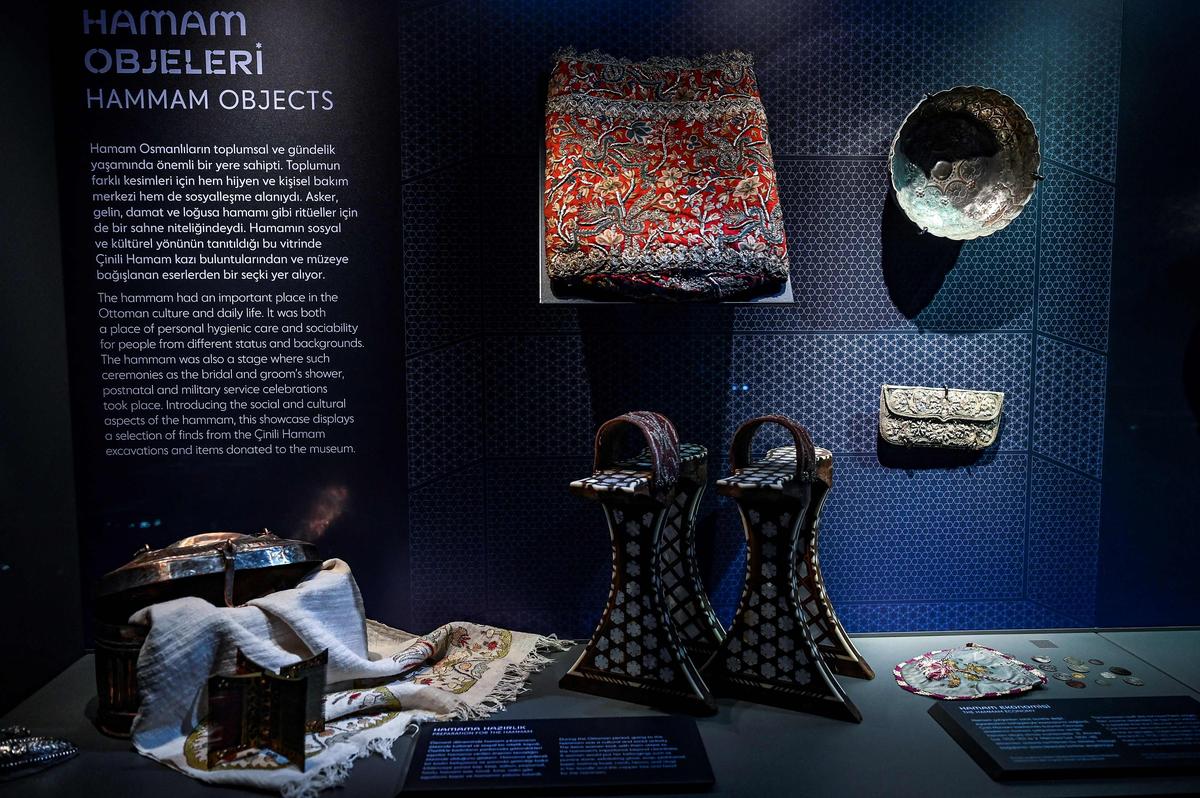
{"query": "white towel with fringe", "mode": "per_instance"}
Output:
(459, 671)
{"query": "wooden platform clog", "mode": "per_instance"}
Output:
(636, 653)
(770, 654)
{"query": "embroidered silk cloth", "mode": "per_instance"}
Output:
(380, 681)
(970, 671)
(659, 181)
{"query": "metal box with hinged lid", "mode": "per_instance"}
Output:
(223, 568)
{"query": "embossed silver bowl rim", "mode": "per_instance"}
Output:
(1032, 173)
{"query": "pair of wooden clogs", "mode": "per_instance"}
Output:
(658, 640)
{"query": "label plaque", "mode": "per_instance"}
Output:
(562, 755)
(1077, 737)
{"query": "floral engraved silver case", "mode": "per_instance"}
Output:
(946, 418)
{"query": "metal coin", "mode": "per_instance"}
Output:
(1048, 668)
(1095, 661)
(1121, 671)
(1071, 660)
(1100, 680)
(1081, 668)
(1040, 659)
(1135, 681)
(1109, 675)
(1076, 684)
(1062, 677)
(1078, 676)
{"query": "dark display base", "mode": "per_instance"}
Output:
(636, 691)
(785, 697)
(754, 749)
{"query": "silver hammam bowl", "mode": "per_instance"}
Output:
(965, 162)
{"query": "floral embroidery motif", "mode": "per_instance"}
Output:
(951, 672)
(943, 417)
(346, 702)
(462, 657)
(659, 179)
(466, 656)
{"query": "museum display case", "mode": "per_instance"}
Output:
(847, 442)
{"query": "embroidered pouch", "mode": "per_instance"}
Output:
(964, 672)
(948, 418)
(659, 180)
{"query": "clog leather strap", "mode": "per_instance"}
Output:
(806, 455)
(661, 440)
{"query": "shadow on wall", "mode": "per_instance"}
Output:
(917, 458)
(674, 359)
(915, 264)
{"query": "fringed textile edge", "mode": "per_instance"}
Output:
(513, 683)
(379, 741)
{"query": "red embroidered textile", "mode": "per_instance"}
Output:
(659, 180)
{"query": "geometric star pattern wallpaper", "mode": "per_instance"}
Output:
(504, 394)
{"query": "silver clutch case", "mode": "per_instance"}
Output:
(946, 418)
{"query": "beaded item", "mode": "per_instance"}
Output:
(965, 672)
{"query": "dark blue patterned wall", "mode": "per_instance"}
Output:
(504, 394)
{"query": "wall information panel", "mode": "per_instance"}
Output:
(228, 186)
